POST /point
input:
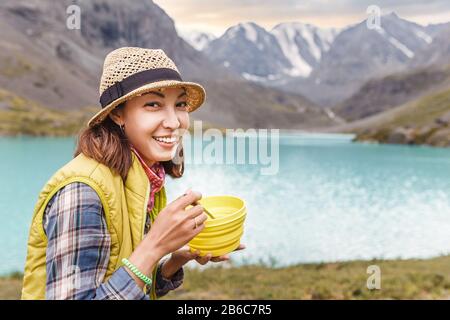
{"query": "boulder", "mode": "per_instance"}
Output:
(402, 135)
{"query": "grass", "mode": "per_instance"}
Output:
(20, 116)
(421, 117)
(15, 66)
(424, 112)
(414, 114)
(400, 279)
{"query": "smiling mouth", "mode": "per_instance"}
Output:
(166, 139)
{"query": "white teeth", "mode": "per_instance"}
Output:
(166, 140)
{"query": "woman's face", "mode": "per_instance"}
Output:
(155, 122)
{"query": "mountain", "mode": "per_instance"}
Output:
(422, 121)
(288, 50)
(434, 29)
(248, 50)
(43, 61)
(378, 95)
(303, 45)
(197, 39)
(438, 52)
(328, 65)
(359, 53)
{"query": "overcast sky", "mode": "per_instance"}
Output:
(215, 16)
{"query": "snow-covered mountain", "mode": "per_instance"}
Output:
(360, 53)
(198, 39)
(327, 65)
(438, 52)
(303, 45)
(289, 49)
(249, 50)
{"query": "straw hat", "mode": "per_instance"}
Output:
(130, 71)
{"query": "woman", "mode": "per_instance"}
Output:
(101, 227)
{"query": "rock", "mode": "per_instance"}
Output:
(441, 122)
(402, 136)
(440, 138)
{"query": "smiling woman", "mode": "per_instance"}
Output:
(101, 226)
(155, 122)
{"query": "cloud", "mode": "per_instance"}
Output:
(221, 14)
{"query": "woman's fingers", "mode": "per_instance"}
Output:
(186, 199)
(220, 258)
(241, 247)
(187, 250)
(194, 211)
(225, 257)
(201, 218)
(204, 260)
(195, 254)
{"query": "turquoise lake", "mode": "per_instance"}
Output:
(331, 200)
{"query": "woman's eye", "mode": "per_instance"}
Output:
(182, 104)
(152, 104)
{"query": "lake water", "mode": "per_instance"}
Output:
(331, 200)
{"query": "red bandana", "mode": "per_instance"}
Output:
(155, 174)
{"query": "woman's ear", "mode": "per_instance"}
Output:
(116, 115)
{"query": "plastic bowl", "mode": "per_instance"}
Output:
(221, 235)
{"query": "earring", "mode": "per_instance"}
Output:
(122, 128)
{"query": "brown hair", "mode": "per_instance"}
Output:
(106, 143)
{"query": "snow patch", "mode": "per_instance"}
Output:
(397, 44)
(400, 46)
(285, 37)
(425, 37)
(250, 32)
(252, 77)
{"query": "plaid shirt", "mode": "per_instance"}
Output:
(78, 251)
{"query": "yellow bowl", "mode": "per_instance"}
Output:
(224, 208)
(218, 233)
(218, 240)
(229, 225)
(222, 234)
(218, 251)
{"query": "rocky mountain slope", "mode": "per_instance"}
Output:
(422, 121)
(43, 61)
(382, 94)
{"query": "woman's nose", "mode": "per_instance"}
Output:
(171, 119)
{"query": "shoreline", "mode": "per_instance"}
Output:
(384, 136)
(400, 279)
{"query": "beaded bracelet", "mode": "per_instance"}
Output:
(136, 271)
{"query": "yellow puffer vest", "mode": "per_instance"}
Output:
(125, 207)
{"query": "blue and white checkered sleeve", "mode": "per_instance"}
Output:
(78, 249)
(163, 285)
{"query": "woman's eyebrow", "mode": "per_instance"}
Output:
(162, 95)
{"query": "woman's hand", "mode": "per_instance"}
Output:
(177, 260)
(183, 255)
(205, 259)
(174, 226)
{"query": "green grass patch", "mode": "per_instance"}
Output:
(400, 279)
(20, 116)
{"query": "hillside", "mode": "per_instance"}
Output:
(44, 62)
(422, 121)
(382, 94)
(21, 116)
